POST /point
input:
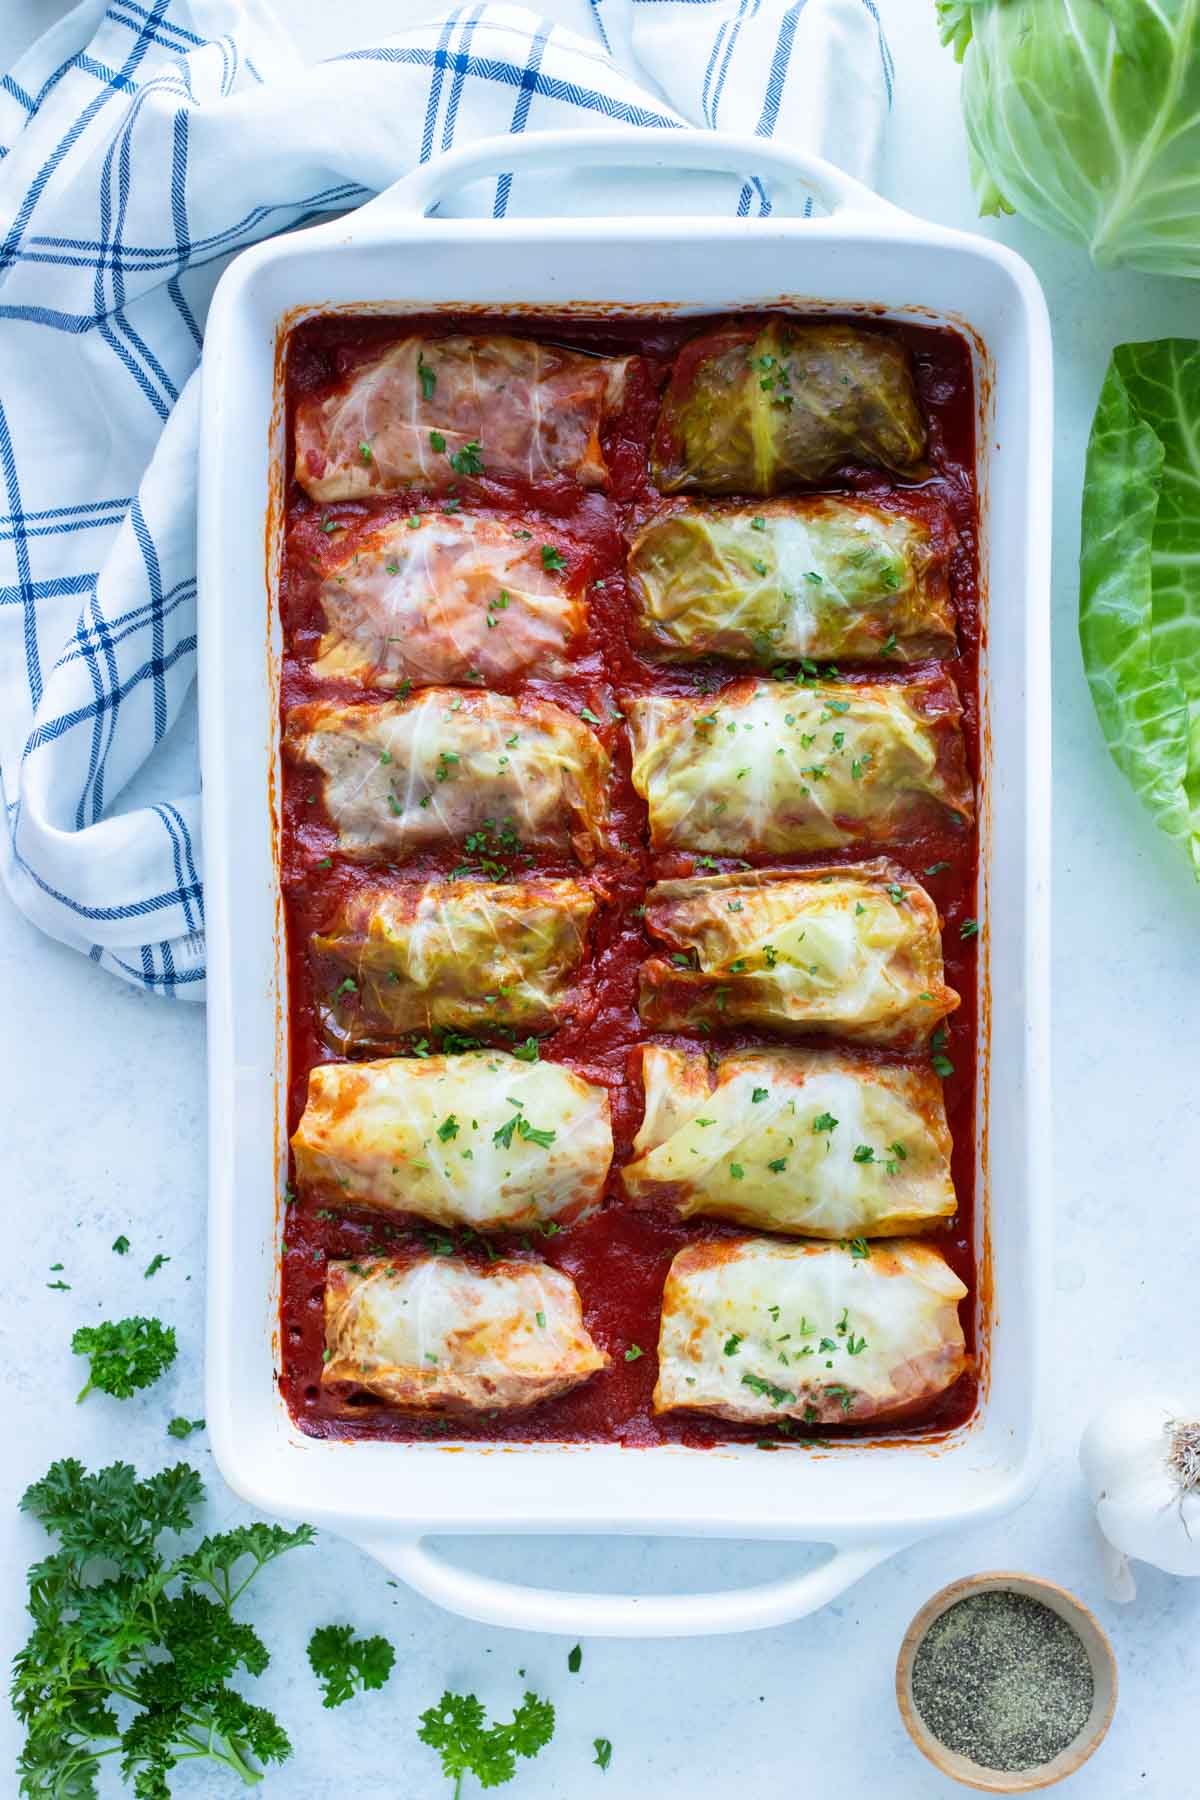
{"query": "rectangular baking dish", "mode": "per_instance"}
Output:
(865, 1499)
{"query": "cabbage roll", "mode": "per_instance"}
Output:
(428, 411)
(482, 1139)
(754, 409)
(462, 954)
(446, 599)
(772, 769)
(848, 948)
(756, 1331)
(822, 578)
(437, 1333)
(816, 1143)
(402, 777)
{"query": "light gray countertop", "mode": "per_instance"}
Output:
(104, 1093)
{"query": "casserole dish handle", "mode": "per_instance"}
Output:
(727, 152)
(492, 1602)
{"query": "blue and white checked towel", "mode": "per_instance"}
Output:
(143, 144)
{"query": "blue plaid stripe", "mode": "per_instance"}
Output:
(133, 193)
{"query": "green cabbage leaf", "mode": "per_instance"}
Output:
(1084, 117)
(1139, 594)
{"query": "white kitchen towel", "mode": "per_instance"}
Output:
(142, 145)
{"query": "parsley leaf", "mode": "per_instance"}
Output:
(114, 1619)
(458, 1729)
(125, 1355)
(346, 1665)
(603, 1749)
(183, 1428)
(553, 561)
(121, 1245)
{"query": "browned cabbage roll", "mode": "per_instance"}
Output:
(442, 598)
(406, 776)
(770, 768)
(753, 409)
(757, 1330)
(428, 411)
(484, 1139)
(815, 1143)
(463, 955)
(836, 579)
(847, 948)
(436, 1333)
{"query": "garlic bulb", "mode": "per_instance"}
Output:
(1141, 1462)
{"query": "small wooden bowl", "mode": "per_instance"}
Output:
(1104, 1678)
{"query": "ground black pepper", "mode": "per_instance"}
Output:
(1003, 1680)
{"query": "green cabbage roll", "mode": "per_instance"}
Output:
(834, 579)
(757, 1330)
(774, 769)
(462, 955)
(815, 1143)
(754, 409)
(852, 949)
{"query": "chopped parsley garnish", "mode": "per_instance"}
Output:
(527, 1133)
(575, 1659)
(427, 377)
(553, 561)
(458, 1729)
(778, 1166)
(936, 868)
(121, 1245)
(346, 1665)
(767, 1389)
(603, 1749)
(364, 450)
(468, 460)
(824, 1122)
(737, 1171)
(183, 1428)
(733, 1342)
(863, 1153)
(633, 1352)
(585, 712)
(125, 1355)
(437, 442)
(759, 1094)
(969, 929)
(448, 1128)
(156, 1263)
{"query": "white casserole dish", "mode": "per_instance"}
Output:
(866, 1500)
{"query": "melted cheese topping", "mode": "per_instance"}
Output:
(481, 1139)
(756, 1330)
(813, 1142)
(439, 1333)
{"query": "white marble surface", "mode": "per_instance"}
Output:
(104, 1106)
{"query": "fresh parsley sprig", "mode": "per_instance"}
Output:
(115, 1620)
(345, 1665)
(458, 1729)
(126, 1354)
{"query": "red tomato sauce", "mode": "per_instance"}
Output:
(619, 1257)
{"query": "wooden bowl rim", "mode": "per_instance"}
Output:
(1104, 1683)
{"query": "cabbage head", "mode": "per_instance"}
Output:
(1084, 117)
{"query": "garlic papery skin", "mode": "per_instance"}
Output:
(1141, 1462)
